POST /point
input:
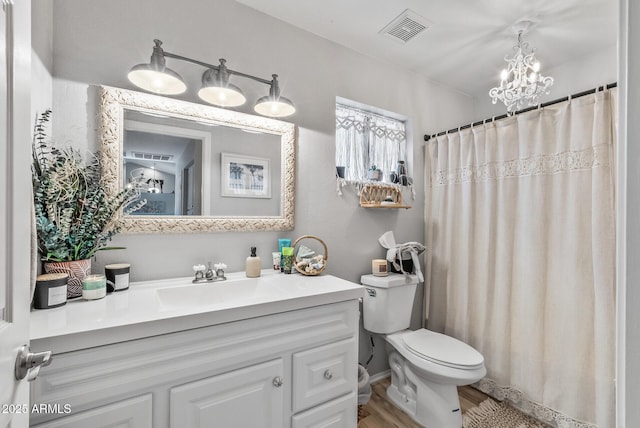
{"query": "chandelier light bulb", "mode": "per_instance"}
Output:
(521, 84)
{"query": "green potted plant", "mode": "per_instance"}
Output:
(74, 215)
(374, 173)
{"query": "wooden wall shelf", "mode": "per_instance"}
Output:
(381, 196)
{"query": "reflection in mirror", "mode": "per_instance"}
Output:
(164, 161)
(200, 168)
(179, 167)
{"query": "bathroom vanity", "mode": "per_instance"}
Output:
(274, 351)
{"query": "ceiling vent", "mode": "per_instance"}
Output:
(151, 156)
(405, 27)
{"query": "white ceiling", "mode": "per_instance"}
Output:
(468, 39)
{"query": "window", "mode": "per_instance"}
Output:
(364, 140)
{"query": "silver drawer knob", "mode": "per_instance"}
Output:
(277, 381)
(328, 375)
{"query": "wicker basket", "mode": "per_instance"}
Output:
(305, 268)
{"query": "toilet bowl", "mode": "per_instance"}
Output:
(426, 367)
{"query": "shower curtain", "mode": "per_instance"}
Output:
(521, 264)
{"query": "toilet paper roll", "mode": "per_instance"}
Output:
(379, 267)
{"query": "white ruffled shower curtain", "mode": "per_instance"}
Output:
(521, 264)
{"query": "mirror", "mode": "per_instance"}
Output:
(200, 168)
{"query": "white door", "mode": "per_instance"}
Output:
(15, 200)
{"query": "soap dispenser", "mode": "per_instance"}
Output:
(253, 264)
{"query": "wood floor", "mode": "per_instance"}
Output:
(379, 412)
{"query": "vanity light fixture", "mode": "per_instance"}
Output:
(156, 77)
(521, 83)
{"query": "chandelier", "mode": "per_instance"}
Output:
(521, 83)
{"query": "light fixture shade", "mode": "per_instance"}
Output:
(155, 76)
(165, 81)
(217, 90)
(274, 107)
(229, 96)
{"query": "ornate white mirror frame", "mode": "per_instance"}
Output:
(114, 102)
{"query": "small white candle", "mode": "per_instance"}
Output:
(94, 287)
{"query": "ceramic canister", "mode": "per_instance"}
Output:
(117, 276)
(51, 290)
(379, 267)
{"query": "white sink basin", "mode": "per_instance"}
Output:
(218, 293)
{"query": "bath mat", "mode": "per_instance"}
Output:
(491, 414)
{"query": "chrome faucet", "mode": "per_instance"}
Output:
(209, 274)
(206, 274)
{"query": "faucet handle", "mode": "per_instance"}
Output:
(219, 266)
(198, 268)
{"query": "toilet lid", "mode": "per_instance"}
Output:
(443, 350)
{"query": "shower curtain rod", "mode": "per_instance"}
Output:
(427, 137)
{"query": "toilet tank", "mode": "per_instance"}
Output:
(388, 302)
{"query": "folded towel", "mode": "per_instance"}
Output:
(395, 252)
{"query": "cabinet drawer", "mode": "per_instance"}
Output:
(323, 373)
(339, 413)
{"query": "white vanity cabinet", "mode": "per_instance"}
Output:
(290, 369)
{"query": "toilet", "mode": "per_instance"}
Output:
(426, 367)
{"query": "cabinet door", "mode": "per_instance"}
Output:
(249, 397)
(339, 413)
(134, 412)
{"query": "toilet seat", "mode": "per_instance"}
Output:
(441, 349)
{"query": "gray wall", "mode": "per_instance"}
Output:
(96, 42)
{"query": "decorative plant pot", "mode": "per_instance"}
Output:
(76, 269)
(374, 174)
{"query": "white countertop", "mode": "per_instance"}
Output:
(151, 308)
